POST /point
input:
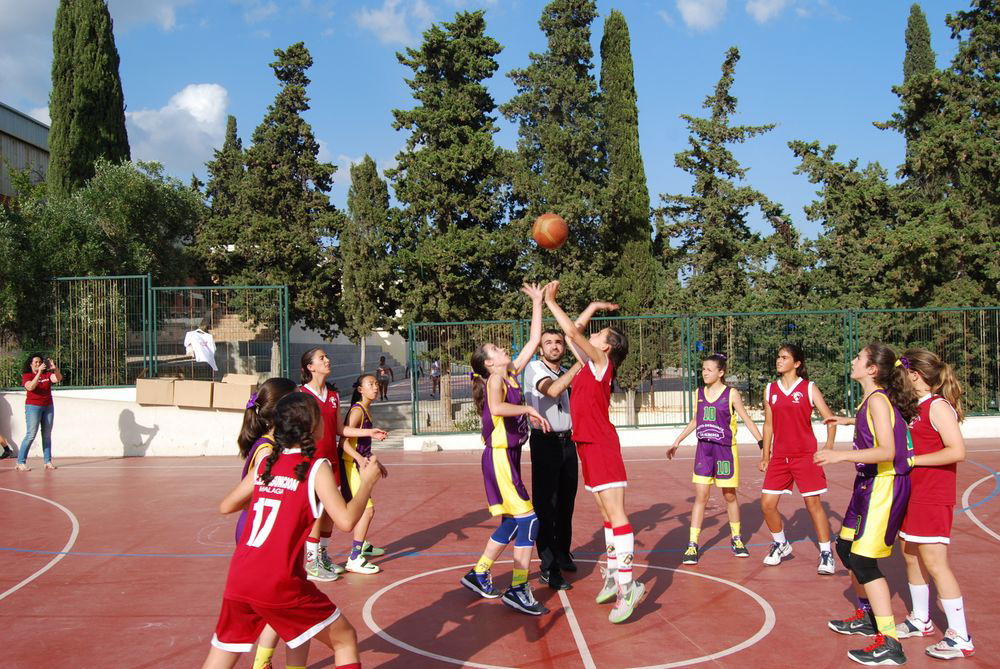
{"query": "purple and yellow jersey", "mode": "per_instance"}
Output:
(499, 432)
(716, 421)
(864, 437)
(363, 445)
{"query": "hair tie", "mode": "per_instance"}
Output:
(252, 402)
(722, 355)
(903, 362)
(473, 376)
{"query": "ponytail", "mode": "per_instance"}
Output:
(719, 359)
(258, 418)
(939, 375)
(479, 376)
(295, 421)
(894, 376)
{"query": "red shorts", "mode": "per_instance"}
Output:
(927, 523)
(602, 466)
(800, 469)
(240, 623)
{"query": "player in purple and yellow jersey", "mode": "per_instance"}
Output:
(716, 460)
(883, 457)
(500, 403)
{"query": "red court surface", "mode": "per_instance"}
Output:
(121, 563)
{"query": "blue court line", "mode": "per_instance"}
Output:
(996, 486)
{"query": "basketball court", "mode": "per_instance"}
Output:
(122, 562)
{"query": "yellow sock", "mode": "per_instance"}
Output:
(288, 666)
(735, 529)
(483, 565)
(520, 576)
(886, 625)
(263, 656)
(693, 534)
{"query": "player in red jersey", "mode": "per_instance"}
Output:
(787, 458)
(598, 445)
(267, 581)
(926, 532)
(315, 367)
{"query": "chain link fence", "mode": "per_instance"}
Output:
(657, 384)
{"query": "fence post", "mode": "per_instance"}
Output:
(411, 353)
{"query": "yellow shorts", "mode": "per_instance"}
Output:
(354, 479)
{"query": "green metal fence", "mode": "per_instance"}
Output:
(108, 331)
(662, 371)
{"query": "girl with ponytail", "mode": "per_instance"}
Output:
(926, 530)
(883, 457)
(500, 403)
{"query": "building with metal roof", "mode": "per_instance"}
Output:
(24, 144)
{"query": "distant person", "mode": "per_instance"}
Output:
(435, 378)
(37, 376)
(383, 374)
(8, 452)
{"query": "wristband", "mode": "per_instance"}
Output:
(760, 444)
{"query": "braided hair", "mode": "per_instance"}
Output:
(295, 421)
(259, 417)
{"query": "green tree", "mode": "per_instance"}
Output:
(283, 217)
(716, 243)
(86, 103)
(220, 227)
(366, 298)
(560, 163)
(454, 255)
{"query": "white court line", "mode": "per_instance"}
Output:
(62, 553)
(968, 511)
(574, 626)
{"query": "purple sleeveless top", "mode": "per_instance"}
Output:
(864, 437)
(714, 419)
(363, 445)
(509, 432)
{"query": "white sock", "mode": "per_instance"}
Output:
(824, 546)
(956, 616)
(920, 595)
(624, 541)
(779, 537)
(311, 548)
(609, 541)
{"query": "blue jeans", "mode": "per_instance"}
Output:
(33, 416)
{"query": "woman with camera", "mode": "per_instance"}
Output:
(38, 376)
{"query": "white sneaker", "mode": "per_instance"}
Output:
(914, 626)
(952, 647)
(360, 565)
(609, 588)
(826, 565)
(329, 564)
(776, 552)
(315, 571)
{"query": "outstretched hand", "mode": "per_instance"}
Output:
(550, 289)
(605, 306)
(533, 291)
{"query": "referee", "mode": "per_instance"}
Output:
(553, 458)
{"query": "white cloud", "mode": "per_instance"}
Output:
(702, 14)
(391, 23)
(256, 10)
(763, 11)
(667, 18)
(161, 12)
(183, 133)
(41, 114)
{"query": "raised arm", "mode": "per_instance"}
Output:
(535, 333)
(554, 387)
(346, 516)
(881, 414)
(583, 320)
(574, 336)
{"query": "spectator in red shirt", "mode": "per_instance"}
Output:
(38, 375)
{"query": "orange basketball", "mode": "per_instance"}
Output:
(550, 231)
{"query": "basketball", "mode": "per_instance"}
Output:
(550, 231)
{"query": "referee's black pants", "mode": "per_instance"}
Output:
(553, 492)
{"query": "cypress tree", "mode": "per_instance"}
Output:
(364, 240)
(86, 103)
(717, 246)
(560, 162)
(919, 57)
(225, 172)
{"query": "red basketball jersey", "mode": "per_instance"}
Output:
(930, 485)
(329, 406)
(791, 419)
(267, 568)
(589, 401)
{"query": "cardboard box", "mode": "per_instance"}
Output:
(231, 395)
(242, 379)
(193, 394)
(154, 391)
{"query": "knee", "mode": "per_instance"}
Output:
(844, 551)
(729, 494)
(769, 504)
(865, 568)
(527, 531)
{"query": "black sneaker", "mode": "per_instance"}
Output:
(481, 584)
(554, 580)
(565, 562)
(859, 623)
(691, 554)
(7, 453)
(521, 598)
(739, 548)
(884, 651)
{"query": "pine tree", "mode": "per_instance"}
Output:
(284, 217)
(86, 104)
(715, 240)
(366, 301)
(560, 162)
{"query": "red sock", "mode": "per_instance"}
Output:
(352, 665)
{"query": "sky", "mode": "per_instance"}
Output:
(819, 69)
